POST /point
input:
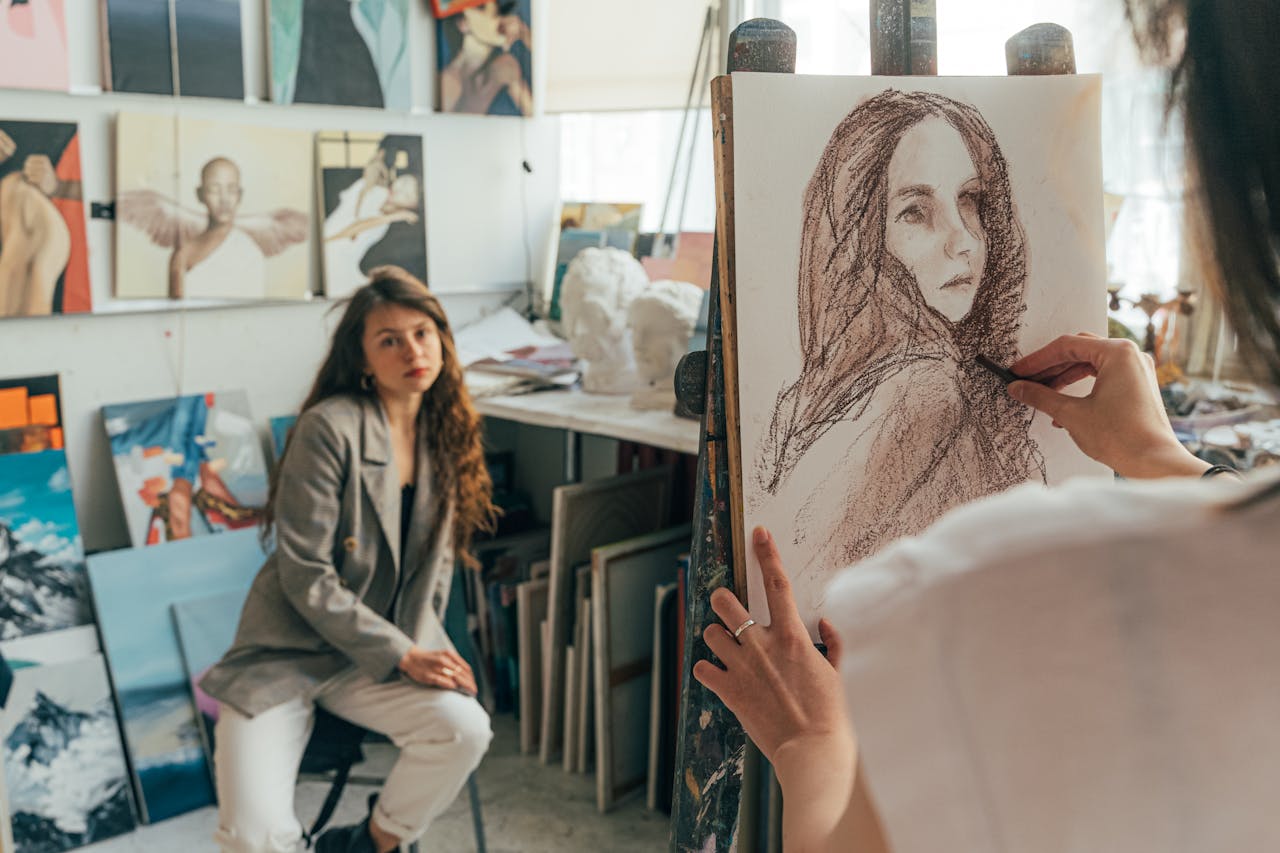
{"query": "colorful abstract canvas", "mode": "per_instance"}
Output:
(349, 53)
(33, 45)
(44, 257)
(64, 767)
(140, 56)
(42, 579)
(371, 195)
(233, 225)
(134, 590)
(484, 59)
(206, 628)
(187, 466)
(30, 414)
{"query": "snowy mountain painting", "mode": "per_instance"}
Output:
(42, 574)
(65, 771)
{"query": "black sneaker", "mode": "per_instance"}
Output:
(346, 839)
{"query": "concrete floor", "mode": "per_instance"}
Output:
(528, 808)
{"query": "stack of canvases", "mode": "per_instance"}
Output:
(597, 636)
(193, 480)
(219, 210)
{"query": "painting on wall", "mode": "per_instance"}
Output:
(44, 257)
(133, 591)
(187, 466)
(64, 768)
(371, 196)
(30, 415)
(919, 222)
(42, 571)
(33, 45)
(484, 61)
(234, 224)
(139, 54)
(281, 426)
(352, 53)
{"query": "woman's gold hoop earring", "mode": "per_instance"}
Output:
(366, 381)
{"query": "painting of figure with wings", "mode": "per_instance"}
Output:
(245, 239)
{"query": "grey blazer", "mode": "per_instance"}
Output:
(316, 609)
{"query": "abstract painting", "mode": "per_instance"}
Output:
(187, 466)
(44, 257)
(42, 574)
(30, 414)
(64, 768)
(140, 56)
(233, 225)
(484, 60)
(371, 195)
(133, 591)
(206, 629)
(33, 45)
(896, 231)
(347, 52)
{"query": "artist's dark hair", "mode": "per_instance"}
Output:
(447, 419)
(862, 316)
(1225, 77)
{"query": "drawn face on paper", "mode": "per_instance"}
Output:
(933, 226)
(220, 190)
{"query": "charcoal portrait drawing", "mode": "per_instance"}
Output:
(912, 262)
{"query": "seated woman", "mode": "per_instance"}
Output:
(381, 484)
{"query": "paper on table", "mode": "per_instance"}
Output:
(494, 336)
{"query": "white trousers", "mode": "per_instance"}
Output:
(442, 735)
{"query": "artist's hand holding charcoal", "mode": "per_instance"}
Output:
(445, 669)
(787, 696)
(1122, 421)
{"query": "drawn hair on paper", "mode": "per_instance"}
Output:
(912, 261)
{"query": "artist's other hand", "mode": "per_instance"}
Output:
(445, 669)
(39, 172)
(7, 146)
(1122, 422)
(784, 692)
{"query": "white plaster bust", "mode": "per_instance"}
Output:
(597, 289)
(662, 321)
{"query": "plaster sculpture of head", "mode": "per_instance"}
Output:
(595, 294)
(662, 321)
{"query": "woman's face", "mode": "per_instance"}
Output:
(933, 227)
(402, 350)
(484, 23)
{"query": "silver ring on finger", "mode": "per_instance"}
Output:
(744, 626)
(448, 673)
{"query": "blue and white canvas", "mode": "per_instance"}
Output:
(206, 628)
(65, 772)
(42, 578)
(187, 466)
(280, 428)
(134, 590)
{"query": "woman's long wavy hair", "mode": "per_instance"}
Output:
(447, 418)
(862, 316)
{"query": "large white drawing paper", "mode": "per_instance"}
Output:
(888, 230)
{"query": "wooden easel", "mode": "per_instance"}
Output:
(713, 753)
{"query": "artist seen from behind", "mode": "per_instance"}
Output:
(382, 482)
(1088, 668)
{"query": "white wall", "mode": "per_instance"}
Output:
(486, 218)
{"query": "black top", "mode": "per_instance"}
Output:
(407, 494)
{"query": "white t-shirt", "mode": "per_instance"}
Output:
(1090, 668)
